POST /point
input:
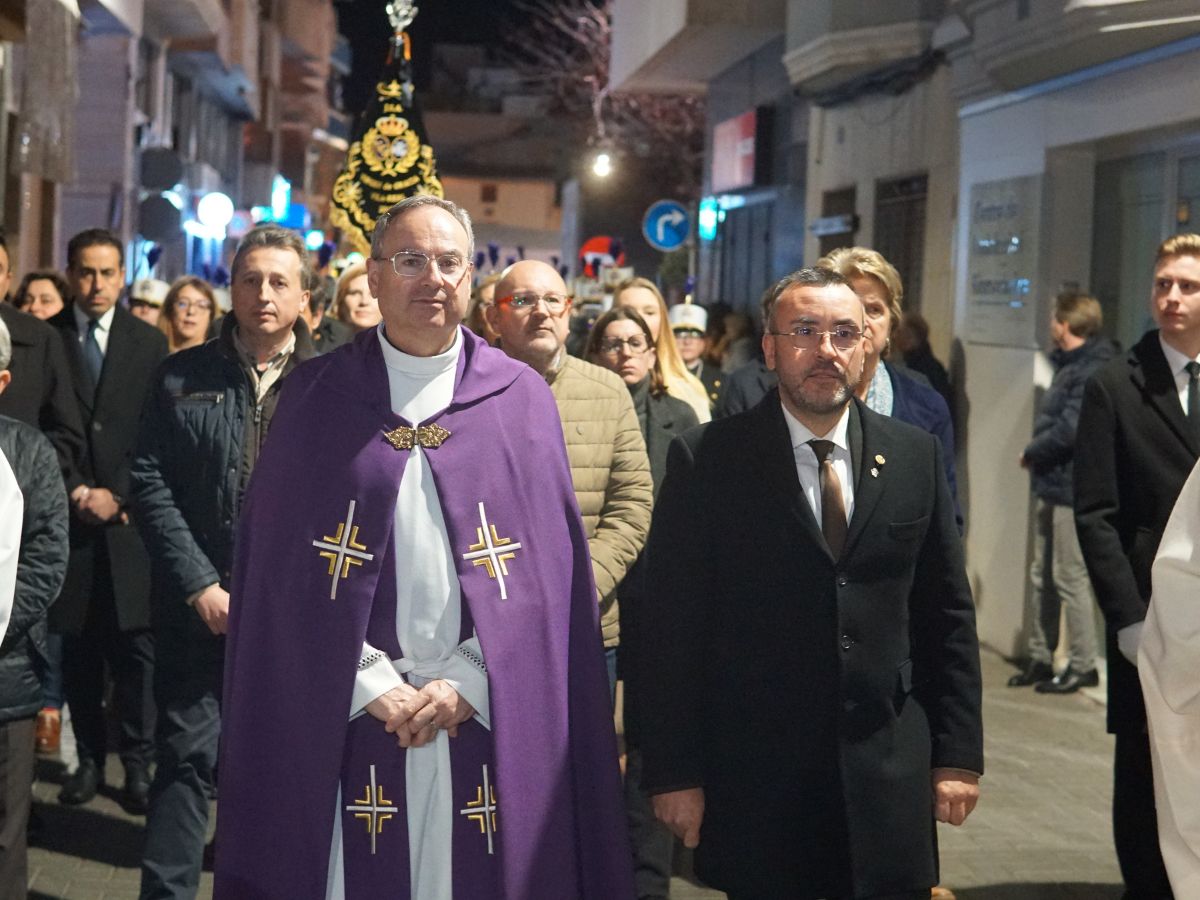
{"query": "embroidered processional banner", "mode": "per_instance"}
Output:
(390, 157)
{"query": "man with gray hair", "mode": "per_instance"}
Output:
(207, 417)
(415, 694)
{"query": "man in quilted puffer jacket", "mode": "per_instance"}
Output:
(610, 471)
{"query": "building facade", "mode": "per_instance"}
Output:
(996, 151)
(156, 105)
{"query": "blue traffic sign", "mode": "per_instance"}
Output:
(666, 225)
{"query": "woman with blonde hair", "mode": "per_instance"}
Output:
(643, 297)
(353, 303)
(187, 313)
(887, 388)
(481, 298)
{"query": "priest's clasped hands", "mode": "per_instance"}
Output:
(415, 715)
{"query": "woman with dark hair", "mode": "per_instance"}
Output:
(622, 342)
(42, 294)
(188, 312)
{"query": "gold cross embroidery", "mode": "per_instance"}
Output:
(343, 550)
(373, 808)
(492, 551)
(482, 809)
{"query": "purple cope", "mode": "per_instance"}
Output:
(292, 651)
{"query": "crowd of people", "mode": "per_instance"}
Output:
(416, 658)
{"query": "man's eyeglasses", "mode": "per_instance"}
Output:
(411, 263)
(525, 301)
(843, 337)
(612, 346)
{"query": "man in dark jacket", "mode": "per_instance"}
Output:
(205, 423)
(41, 508)
(327, 333)
(1058, 571)
(1137, 442)
(40, 394)
(104, 612)
(744, 389)
(804, 554)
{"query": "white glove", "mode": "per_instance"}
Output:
(1128, 639)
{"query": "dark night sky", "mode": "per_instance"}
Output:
(365, 24)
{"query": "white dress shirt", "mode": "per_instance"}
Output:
(103, 324)
(1177, 362)
(807, 467)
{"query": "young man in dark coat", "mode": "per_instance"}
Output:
(1058, 570)
(813, 702)
(39, 507)
(104, 612)
(1137, 442)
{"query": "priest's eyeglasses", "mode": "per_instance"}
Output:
(526, 301)
(612, 346)
(805, 337)
(411, 263)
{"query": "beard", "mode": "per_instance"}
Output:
(820, 399)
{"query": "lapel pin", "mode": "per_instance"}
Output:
(879, 458)
(874, 472)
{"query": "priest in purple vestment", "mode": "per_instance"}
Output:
(415, 695)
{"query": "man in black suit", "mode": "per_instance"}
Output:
(104, 609)
(41, 393)
(813, 695)
(1137, 441)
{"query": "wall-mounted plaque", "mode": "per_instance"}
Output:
(1002, 262)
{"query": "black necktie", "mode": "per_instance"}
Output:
(833, 508)
(1193, 397)
(91, 352)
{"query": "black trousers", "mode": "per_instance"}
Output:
(129, 656)
(1135, 821)
(187, 688)
(16, 796)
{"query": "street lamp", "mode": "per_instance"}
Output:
(602, 165)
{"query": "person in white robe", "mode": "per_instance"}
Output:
(1169, 668)
(428, 620)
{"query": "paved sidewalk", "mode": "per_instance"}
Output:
(1041, 831)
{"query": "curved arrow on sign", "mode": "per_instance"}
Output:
(674, 218)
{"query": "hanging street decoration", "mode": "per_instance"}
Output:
(390, 157)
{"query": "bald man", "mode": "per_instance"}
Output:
(609, 467)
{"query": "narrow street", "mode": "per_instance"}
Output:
(1041, 831)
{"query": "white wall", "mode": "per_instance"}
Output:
(639, 31)
(1049, 134)
(879, 138)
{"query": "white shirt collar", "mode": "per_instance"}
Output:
(801, 435)
(420, 366)
(1175, 360)
(104, 323)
